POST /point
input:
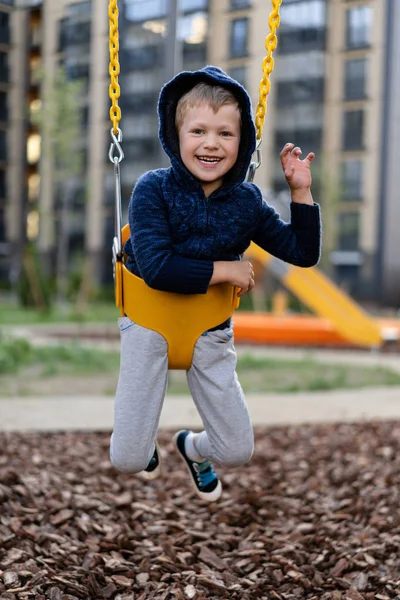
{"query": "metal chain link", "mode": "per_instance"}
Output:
(114, 68)
(267, 66)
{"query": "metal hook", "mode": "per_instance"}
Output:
(254, 164)
(115, 146)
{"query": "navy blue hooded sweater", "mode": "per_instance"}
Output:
(177, 232)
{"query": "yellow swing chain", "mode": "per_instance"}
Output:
(268, 63)
(114, 68)
(115, 153)
(114, 89)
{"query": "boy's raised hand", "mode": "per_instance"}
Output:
(297, 172)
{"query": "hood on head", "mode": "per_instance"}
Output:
(167, 103)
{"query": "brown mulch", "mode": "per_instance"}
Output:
(316, 514)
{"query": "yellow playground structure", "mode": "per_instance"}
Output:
(326, 300)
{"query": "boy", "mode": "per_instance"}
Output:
(190, 225)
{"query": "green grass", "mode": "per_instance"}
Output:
(257, 374)
(96, 312)
(17, 355)
(263, 375)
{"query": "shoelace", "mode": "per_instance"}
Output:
(205, 473)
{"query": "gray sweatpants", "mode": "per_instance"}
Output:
(213, 383)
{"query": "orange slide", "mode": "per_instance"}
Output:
(340, 321)
(297, 330)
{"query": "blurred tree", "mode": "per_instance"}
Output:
(331, 193)
(59, 121)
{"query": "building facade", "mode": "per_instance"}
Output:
(5, 128)
(335, 90)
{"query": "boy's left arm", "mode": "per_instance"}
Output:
(297, 242)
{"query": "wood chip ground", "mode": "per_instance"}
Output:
(315, 515)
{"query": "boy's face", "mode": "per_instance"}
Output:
(209, 143)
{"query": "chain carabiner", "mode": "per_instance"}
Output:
(115, 146)
(254, 163)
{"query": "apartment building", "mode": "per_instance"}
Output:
(335, 90)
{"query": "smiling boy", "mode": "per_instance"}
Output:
(190, 225)
(209, 134)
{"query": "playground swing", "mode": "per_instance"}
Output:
(179, 318)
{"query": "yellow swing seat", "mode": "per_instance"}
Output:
(180, 318)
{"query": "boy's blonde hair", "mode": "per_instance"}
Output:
(203, 93)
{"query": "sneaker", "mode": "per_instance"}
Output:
(153, 469)
(206, 483)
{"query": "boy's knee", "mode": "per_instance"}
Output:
(129, 464)
(238, 455)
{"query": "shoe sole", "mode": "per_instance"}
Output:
(150, 475)
(207, 497)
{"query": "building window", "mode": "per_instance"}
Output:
(4, 71)
(238, 4)
(349, 231)
(359, 27)
(301, 90)
(352, 172)
(4, 28)
(302, 116)
(137, 10)
(309, 140)
(3, 184)
(194, 56)
(3, 106)
(73, 33)
(239, 36)
(3, 146)
(75, 70)
(189, 5)
(143, 103)
(355, 79)
(80, 9)
(303, 26)
(192, 29)
(142, 57)
(347, 277)
(240, 74)
(353, 130)
(143, 82)
(290, 65)
(136, 149)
